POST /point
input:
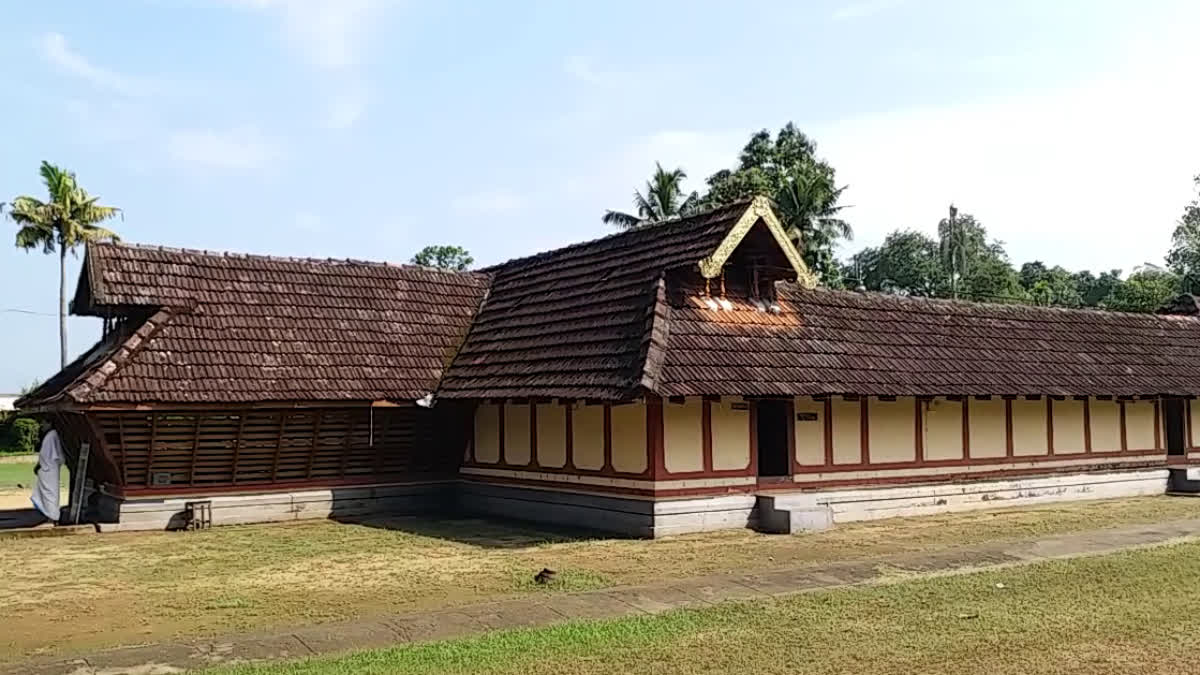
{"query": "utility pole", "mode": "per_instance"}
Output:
(953, 248)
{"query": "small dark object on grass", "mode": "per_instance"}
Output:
(545, 576)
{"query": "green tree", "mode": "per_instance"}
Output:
(69, 217)
(664, 198)
(1092, 289)
(1053, 286)
(1184, 257)
(991, 277)
(786, 168)
(444, 257)
(907, 263)
(1144, 291)
(962, 241)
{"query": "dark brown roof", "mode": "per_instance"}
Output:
(577, 322)
(211, 327)
(838, 342)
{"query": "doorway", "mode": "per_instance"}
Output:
(771, 429)
(1174, 412)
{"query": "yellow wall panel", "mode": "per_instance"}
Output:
(942, 420)
(1139, 425)
(847, 431)
(629, 437)
(730, 435)
(587, 436)
(1193, 423)
(516, 434)
(1029, 427)
(986, 422)
(810, 433)
(1105, 417)
(551, 435)
(487, 433)
(892, 431)
(1068, 427)
(683, 445)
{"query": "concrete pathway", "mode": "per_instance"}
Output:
(550, 608)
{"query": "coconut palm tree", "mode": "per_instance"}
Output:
(664, 198)
(809, 210)
(70, 217)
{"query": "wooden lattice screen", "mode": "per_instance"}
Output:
(242, 447)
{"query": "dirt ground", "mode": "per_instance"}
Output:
(70, 594)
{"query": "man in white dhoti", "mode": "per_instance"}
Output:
(45, 489)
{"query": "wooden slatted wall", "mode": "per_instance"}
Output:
(222, 447)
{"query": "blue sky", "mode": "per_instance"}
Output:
(370, 128)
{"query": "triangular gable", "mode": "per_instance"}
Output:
(759, 209)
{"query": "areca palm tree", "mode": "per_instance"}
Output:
(664, 198)
(69, 217)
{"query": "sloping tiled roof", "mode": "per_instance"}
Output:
(838, 342)
(578, 322)
(236, 328)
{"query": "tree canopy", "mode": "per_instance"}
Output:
(786, 168)
(961, 260)
(664, 199)
(444, 257)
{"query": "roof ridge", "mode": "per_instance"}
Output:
(674, 222)
(292, 259)
(986, 304)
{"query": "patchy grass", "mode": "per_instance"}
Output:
(16, 481)
(74, 594)
(1130, 612)
(17, 471)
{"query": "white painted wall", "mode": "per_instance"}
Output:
(7, 400)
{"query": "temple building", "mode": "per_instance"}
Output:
(681, 377)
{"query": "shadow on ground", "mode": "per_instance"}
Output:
(475, 531)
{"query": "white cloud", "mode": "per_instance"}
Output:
(489, 202)
(329, 33)
(55, 49)
(346, 109)
(332, 36)
(307, 221)
(863, 9)
(238, 149)
(1093, 176)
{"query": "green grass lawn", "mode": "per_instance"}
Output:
(18, 470)
(135, 587)
(1133, 612)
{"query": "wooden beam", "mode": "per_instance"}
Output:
(533, 446)
(1008, 428)
(278, 444)
(237, 448)
(312, 448)
(195, 449)
(918, 424)
(124, 454)
(1124, 428)
(966, 427)
(1049, 425)
(348, 444)
(150, 446)
(706, 433)
(864, 431)
(608, 466)
(828, 419)
(1087, 425)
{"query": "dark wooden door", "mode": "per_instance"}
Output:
(1174, 411)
